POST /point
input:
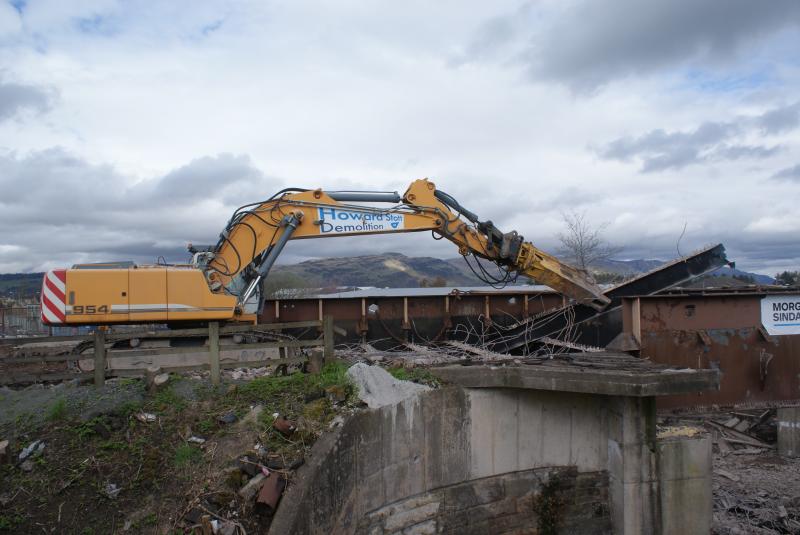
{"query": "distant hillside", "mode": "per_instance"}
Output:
(389, 270)
(20, 285)
(737, 273)
(395, 270)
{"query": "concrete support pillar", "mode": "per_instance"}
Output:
(788, 419)
(684, 469)
(632, 466)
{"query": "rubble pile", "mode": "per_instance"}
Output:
(754, 489)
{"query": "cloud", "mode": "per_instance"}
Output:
(780, 119)
(790, 174)
(64, 209)
(659, 150)
(592, 43)
(169, 117)
(16, 98)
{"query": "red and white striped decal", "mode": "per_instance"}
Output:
(54, 299)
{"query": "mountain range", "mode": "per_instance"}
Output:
(390, 270)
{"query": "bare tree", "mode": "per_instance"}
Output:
(583, 242)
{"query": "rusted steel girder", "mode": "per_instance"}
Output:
(550, 324)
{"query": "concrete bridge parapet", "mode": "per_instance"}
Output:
(517, 449)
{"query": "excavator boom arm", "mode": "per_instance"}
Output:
(256, 234)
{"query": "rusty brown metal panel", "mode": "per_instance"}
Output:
(722, 332)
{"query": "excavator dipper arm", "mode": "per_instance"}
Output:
(256, 234)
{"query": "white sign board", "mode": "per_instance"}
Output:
(780, 314)
(338, 221)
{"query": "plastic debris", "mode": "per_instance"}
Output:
(284, 426)
(227, 418)
(271, 491)
(146, 417)
(261, 450)
(37, 446)
(196, 440)
(251, 487)
(112, 490)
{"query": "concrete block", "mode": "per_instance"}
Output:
(686, 506)
(631, 463)
(684, 457)
(481, 432)
(588, 447)
(521, 484)
(493, 510)
(425, 528)
(628, 422)
(396, 482)
(371, 494)
(473, 493)
(638, 512)
(556, 431)
(788, 419)
(403, 519)
(505, 430)
(433, 450)
(455, 437)
(531, 432)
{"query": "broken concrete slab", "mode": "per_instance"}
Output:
(377, 388)
(612, 374)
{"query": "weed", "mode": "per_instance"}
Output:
(113, 445)
(167, 398)
(8, 523)
(206, 426)
(128, 381)
(23, 419)
(186, 455)
(549, 505)
(418, 375)
(57, 410)
(129, 407)
(269, 390)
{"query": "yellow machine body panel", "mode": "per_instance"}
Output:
(97, 296)
(148, 294)
(142, 294)
(190, 298)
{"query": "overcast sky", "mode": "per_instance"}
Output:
(129, 128)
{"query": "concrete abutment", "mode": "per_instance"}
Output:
(491, 459)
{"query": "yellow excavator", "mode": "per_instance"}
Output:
(224, 282)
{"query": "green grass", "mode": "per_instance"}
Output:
(206, 425)
(167, 399)
(285, 394)
(417, 375)
(9, 523)
(186, 455)
(57, 410)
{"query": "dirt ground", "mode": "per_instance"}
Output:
(121, 460)
(106, 467)
(761, 497)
